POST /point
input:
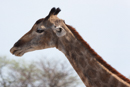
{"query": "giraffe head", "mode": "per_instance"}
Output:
(44, 34)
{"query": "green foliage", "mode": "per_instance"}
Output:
(35, 74)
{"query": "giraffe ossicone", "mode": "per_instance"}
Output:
(52, 31)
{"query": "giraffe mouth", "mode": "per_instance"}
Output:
(17, 51)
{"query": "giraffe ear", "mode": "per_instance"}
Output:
(59, 31)
(53, 11)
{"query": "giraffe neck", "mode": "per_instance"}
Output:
(91, 71)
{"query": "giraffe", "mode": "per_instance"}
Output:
(52, 31)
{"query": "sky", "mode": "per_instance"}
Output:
(104, 24)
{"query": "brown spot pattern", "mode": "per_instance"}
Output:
(82, 62)
(104, 76)
(98, 58)
(114, 82)
(91, 73)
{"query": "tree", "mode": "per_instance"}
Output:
(35, 74)
(55, 75)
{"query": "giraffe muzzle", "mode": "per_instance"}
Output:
(16, 51)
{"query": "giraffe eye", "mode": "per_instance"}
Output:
(39, 31)
(59, 29)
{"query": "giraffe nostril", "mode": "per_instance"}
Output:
(19, 43)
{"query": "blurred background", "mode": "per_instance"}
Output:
(104, 24)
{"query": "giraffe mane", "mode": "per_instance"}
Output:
(98, 58)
